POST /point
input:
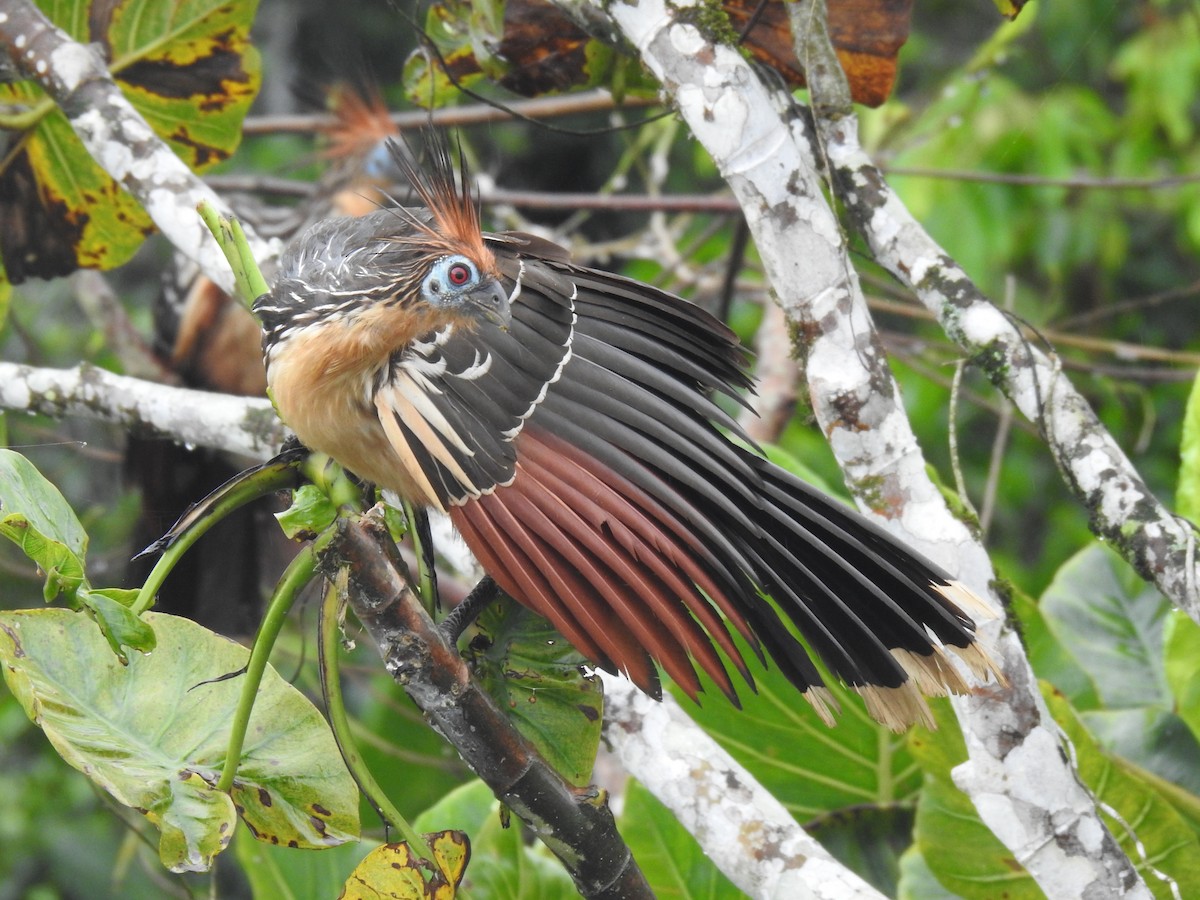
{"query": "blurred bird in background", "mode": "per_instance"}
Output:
(565, 419)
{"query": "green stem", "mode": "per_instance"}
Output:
(425, 583)
(331, 688)
(232, 240)
(328, 475)
(295, 578)
(249, 487)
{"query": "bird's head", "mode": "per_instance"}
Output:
(457, 284)
(393, 274)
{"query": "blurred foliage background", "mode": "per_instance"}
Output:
(1055, 157)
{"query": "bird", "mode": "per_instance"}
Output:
(568, 420)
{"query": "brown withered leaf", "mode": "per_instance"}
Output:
(541, 51)
(867, 35)
(548, 52)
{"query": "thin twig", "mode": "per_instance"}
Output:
(1076, 182)
(960, 483)
(455, 116)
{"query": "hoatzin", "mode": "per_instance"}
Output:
(564, 417)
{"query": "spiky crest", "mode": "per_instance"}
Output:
(361, 121)
(455, 227)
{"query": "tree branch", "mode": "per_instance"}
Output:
(1122, 510)
(744, 830)
(575, 823)
(235, 424)
(116, 135)
(1017, 774)
(548, 107)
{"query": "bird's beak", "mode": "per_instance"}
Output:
(491, 302)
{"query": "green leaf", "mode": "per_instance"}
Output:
(311, 513)
(195, 823)
(153, 734)
(35, 516)
(869, 840)
(503, 866)
(972, 863)
(1049, 658)
(119, 625)
(672, 861)
(917, 881)
(810, 768)
(25, 492)
(955, 844)
(1112, 622)
(1153, 834)
(1181, 655)
(1187, 492)
(449, 29)
(531, 671)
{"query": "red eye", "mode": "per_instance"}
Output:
(459, 274)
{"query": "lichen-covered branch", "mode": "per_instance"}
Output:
(575, 823)
(763, 145)
(740, 825)
(235, 424)
(116, 135)
(1122, 510)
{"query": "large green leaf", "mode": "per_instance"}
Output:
(1049, 658)
(811, 768)
(669, 856)
(153, 734)
(185, 65)
(503, 866)
(537, 676)
(971, 862)
(1113, 623)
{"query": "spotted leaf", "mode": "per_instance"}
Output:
(185, 65)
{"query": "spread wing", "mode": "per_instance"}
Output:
(581, 456)
(454, 401)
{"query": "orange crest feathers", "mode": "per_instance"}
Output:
(361, 121)
(447, 195)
